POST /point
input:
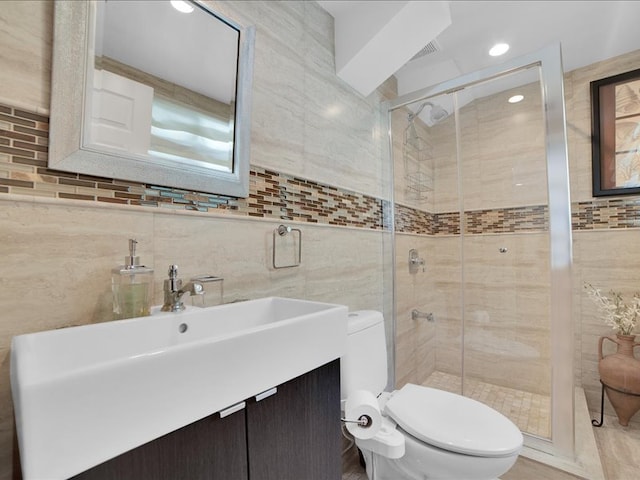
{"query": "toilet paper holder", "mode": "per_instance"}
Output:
(363, 421)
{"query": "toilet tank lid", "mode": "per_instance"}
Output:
(453, 422)
(363, 319)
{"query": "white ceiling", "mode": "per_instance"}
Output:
(588, 31)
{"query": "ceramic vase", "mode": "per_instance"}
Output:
(620, 374)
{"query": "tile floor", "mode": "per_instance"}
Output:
(529, 411)
(351, 469)
(619, 448)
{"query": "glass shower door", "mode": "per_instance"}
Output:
(495, 228)
(505, 277)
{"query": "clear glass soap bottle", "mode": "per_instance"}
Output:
(132, 287)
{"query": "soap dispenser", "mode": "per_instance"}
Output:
(132, 286)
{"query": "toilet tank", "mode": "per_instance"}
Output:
(364, 366)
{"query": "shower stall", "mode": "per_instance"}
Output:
(482, 244)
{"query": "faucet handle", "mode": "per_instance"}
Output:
(173, 272)
(197, 288)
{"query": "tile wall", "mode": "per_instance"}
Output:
(23, 161)
(316, 163)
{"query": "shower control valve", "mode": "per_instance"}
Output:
(415, 262)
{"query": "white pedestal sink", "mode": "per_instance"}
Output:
(83, 395)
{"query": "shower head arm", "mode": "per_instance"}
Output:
(413, 115)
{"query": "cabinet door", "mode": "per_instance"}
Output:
(213, 448)
(295, 434)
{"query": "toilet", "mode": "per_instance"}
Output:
(425, 433)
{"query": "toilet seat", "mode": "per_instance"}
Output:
(453, 422)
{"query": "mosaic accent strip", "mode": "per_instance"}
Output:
(616, 213)
(276, 195)
(499, 220)
(24, 138)
(23, 170)
(447, 223)
(411, 220)
(507, 220)
(606, 214)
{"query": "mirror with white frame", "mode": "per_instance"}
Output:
(155, 92)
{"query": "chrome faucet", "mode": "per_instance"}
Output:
(173, 291)
(415, 261)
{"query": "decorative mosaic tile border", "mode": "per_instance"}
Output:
(616, 213)
(276, 195)
(447, 223)
(606, 214)
(411, 220)
(507, 220)
(499, 220)
(23, 170)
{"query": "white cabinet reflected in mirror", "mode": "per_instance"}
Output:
(144, 92)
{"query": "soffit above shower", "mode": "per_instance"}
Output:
(373, 39)
(588, 32)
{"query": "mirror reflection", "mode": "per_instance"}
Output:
(163, 85)
(145, 93)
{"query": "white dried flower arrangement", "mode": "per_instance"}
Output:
(617, 314)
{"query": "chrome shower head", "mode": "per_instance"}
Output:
(436, 115)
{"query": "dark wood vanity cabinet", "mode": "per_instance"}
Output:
(295, 434)
(291, 435)
(211, 448)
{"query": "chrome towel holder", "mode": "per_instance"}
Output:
(282, 231)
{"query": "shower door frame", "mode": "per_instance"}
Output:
(549, 61)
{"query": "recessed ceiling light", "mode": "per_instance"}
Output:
(182, 6)
(498, 49)
(516, 98)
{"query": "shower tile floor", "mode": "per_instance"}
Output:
(531, 412)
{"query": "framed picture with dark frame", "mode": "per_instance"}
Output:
(615, 134)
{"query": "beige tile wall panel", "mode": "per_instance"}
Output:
(329, 268)
(503, 145)
(57, 262)
(26, 31)
(447, 304)
(608, 260)
(506, 310)
(305, 120)
(415, 339)
(445, 151)
(65, 279)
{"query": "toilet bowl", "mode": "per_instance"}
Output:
(427, 433)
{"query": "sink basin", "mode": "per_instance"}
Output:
(83, 395)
